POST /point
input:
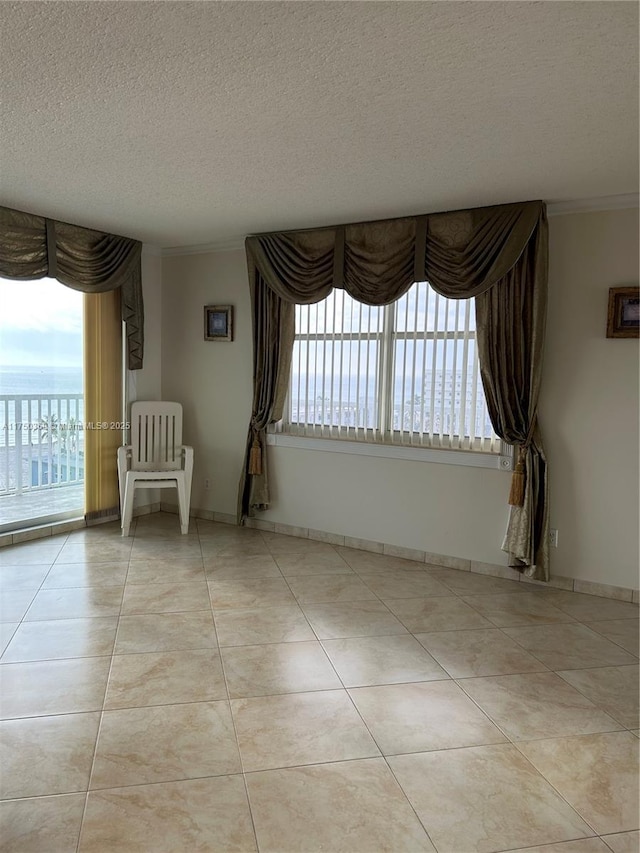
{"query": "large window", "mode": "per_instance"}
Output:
(406, 373)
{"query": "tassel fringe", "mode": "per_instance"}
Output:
(255, 458)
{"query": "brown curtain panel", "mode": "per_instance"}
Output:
(33, 247)
(497, 254)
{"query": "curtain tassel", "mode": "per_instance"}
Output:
(255, 457)
(516, 493)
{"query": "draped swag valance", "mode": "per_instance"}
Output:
(496, 254)
(33, 247)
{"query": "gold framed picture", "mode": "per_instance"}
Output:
(218, 322)
(624, 312)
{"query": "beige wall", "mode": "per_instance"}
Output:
(212, 379)
(146, 384)
(589, 415)
(589, 403)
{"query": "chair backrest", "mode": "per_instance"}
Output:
(156, 436)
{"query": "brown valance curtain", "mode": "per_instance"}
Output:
(496, 254)
(33, 247)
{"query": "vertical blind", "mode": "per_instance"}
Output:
(405, 373)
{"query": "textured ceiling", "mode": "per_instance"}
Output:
(182, 123)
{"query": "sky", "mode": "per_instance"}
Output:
(40, 324)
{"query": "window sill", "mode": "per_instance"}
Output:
(473, 459)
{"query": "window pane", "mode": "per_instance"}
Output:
(343, 395)
(422, 308)
(41, 403)
(420, 352)
(339, 312)
(438, 400)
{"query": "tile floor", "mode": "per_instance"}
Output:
(232, 690)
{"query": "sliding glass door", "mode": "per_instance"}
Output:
(41, 403)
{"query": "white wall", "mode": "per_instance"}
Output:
(591, 392)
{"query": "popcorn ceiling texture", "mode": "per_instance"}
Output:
(184, 123)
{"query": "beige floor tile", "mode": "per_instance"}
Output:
(159, 632)
(329, 563)
(277, 668)
(231, 548)
(569, 646)
(277, 624)
(248, 593)
(97, 532)
(76, 603)
(150, 549)
(623, 632)
(52, 687)
(184, 570)
(537, 705)
(163, 678)
(365, 661)
(366, 561)
(164, 743)
(614, 689)
(423, 716)
(62, 638)
(597, 774)
(324, 589)
(470, 583)
(43, 823)
(352, 619)
(590, 607)
(348, 807)
(583, 845)
(501, 802)
(14, 603)
(624, 842)
(299, 728)
(156, 526)
(7, 630)
(165, 598)
(516, 609)
(401, 584)
(446, 613)
(104, 551)
(30, 554)
(279, 544)
(47, 755)
(232, 568)
(181, 817)
(469, 653)
(66, 575)
(22, 577)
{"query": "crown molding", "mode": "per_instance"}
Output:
(591, 205)
(556, 208)
(203, 248)
(148, 249)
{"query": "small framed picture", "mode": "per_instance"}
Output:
(218, 322)
(624, 312)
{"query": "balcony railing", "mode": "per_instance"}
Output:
(41, 442)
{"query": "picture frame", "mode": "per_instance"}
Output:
(218, 322)
(623, 320)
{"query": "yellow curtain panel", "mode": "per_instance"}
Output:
(103, 402)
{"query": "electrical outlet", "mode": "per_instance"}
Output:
(553, 537)
(207, 483)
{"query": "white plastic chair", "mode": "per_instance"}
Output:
(155, 459)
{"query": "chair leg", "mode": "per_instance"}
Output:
(183, 505)
(127, 508)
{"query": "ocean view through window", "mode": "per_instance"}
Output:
(405, 373)
(41, 403)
